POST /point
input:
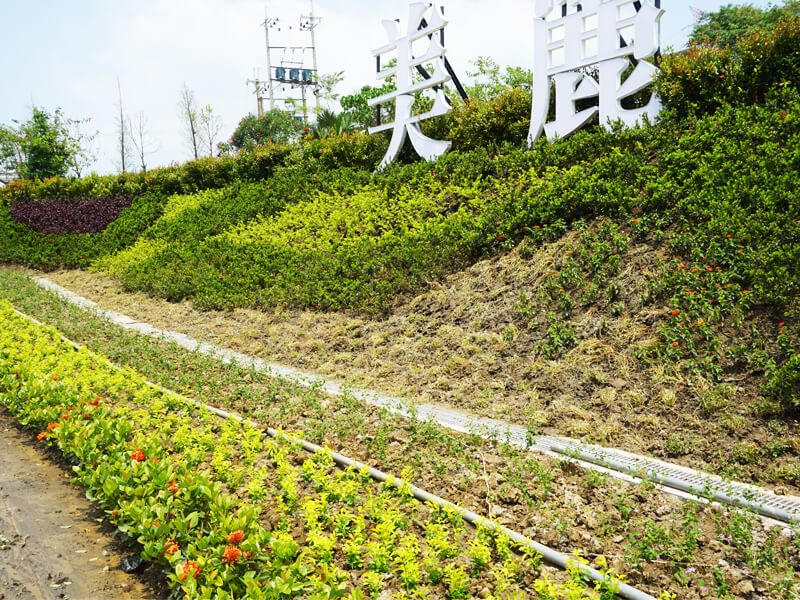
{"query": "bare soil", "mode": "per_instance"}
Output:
(52, 543)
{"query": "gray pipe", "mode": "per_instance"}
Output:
(551, 556)
(667, 480)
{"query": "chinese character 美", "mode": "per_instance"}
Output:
(405, 124)
(573, 34)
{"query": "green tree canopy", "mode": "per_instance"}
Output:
(274, 125)
(725, 26)
(44, 146)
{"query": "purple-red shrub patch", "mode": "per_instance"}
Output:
(65, 215)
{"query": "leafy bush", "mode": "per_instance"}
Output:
(502, 119)
(784, 385)
(69, 216)
(273, 126)
(708, 76)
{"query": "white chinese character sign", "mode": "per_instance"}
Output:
(573, 34)
(405, 123)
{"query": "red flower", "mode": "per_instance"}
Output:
(54, 377)
(41, 436)
(676, 312)
(681, 266)
(781, 324)
(95, 402)
(231, 554)
(695, 270)
(783, 117)
(171, 547)
(191, 568)
(66, 416)
(499, 237)
(87, 416)
(314, 175)
(138, 455)
(173, 487)
(236, 536)
(674, 343)
(51, 426)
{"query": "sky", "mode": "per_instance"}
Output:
(71, 54)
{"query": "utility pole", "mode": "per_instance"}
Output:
(291, 70)
(267, 24)
(313, 26)
(259, 88)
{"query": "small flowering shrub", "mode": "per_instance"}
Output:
(171, 477)
(708, 76)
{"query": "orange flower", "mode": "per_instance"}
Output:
(676, 312)
(138, 455)
(231, 554)
(171, 547)
(236, 536)
(51, 426)
(191, 568)
(41, 436)
(173, 487)
(674, 343)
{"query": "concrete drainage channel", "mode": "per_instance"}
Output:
(549, 555)
(674, 479)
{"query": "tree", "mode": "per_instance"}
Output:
(491, 80)
(122, 132)
(82, 152)
(725, 26)
(140, 139)
(362, 114)
(209, 128)
(273, 126)
(37, 148)
(327, 86)
(187, 106)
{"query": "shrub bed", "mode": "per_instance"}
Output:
(233, 514)
(65, 215)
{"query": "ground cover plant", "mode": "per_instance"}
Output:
(235, 513)
(562, 507)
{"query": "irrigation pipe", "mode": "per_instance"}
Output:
(549, 555)
(768, 511)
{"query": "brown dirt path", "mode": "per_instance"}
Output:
(51, 543)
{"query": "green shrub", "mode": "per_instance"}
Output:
(501, 120)
(708, 76)
(784, 385)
